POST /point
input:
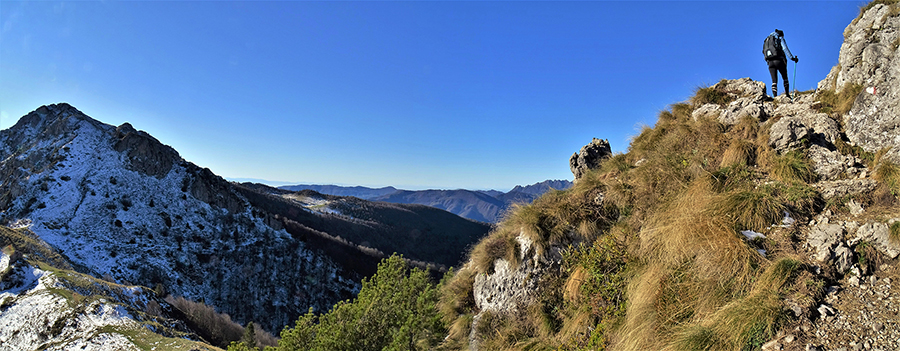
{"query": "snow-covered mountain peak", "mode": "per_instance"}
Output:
(118, 203)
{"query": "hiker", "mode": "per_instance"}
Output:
(774, 49)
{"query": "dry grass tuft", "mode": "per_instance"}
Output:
(753, 209)
(839, 103)
(887, 173)
(572, 290)
(792, 166)
(457, 298)
(894, 236)
(497, 245)
(739, 152)
(710, 95)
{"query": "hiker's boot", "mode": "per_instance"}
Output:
(787, 91)
(774, 89)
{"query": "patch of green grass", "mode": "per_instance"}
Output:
(791, 167)
(754, 209)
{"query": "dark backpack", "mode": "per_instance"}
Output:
(772, 47)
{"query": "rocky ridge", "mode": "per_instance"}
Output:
(850, 251)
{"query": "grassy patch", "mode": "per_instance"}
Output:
(147, 340)
(27, 243)
(753, 209)
(838, 103)
(791, 167)
(739, 152)
(711, 95)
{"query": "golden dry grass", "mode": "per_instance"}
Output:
(674, 203)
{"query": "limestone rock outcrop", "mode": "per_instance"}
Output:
(514, 286)
(869, 58)
(589, 157)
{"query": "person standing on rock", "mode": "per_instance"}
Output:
(776, 52)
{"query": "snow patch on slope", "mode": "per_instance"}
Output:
(34, 316)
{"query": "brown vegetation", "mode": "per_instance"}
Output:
(659, 227)
(216, 328)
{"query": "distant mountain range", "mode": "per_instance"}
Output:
(480, 205)
(355, 191)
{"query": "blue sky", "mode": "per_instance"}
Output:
(470, 94)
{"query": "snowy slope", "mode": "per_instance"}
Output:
(52, 309)
(117, 203)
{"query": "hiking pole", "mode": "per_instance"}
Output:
(795, 81)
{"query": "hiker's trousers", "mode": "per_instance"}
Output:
(778, 65)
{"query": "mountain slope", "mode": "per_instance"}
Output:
(420, 233)
(115, 202)
(539, 189)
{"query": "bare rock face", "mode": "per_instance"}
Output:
(146, 154)
(707, 111)
(840, 188)
(869, 58)
(589, 157)
(744, 87)
(823, 238)
(832, 165)
(878, 234)
(512, 287)
(212, 189)
(788, 134)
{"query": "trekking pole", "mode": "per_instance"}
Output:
(795, 81)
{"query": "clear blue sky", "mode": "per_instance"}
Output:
(474, 95)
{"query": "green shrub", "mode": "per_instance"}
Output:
(396, 309)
